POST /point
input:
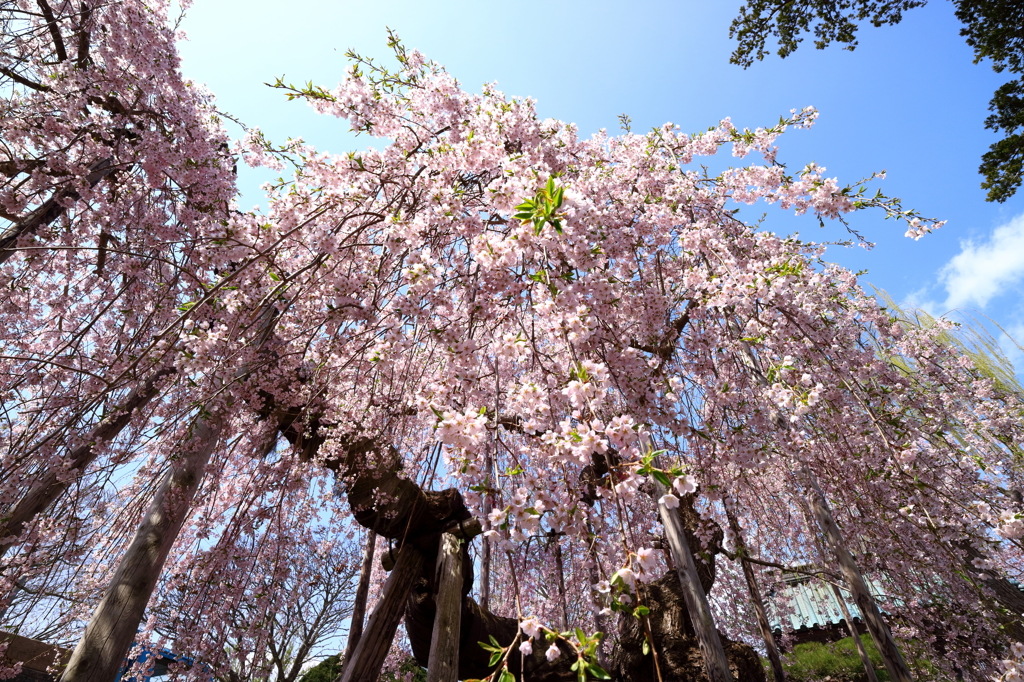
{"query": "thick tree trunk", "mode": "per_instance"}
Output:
(715, 663)
(397, 508)
(444, 639)
(112, 629)
(869, 668)
(755, 598)
(50, 485)
(880, 633)
(355, 630)
(678, 650)
(373, 646)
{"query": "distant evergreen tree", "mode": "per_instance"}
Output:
(326, 670)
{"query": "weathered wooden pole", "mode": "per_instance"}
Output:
(485, 546)
(355, 630)
(755, 596)
(113, 626)
(560, 575)
(443, 663)
(56, 480)
(715, 663)
(894, 662)
(880, 633)
(369, 654)
(869, 668)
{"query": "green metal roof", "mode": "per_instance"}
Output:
(806, 603)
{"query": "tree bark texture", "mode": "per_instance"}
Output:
(880, 633)
(679, 655)
(113, 626)
(397, 508)
(355, 630)
(715, 662)
(869, 668)
(369, 654)
(50, 486)
(755, 598)
(443, 665)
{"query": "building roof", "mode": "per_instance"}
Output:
(806, 603)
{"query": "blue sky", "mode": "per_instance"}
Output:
(908, 100)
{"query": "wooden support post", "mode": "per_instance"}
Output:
(51, 485)
(355, 630)
(755, 597)
(467, 530)
(869, 668)
(599, 620)
(880, 633)
(115, 622)
(373, 646)
(560, 571)
(485, 543)
(443, 664)
(715, 663)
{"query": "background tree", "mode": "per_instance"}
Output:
(993, 28)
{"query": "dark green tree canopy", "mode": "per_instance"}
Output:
(326, 670)
(993, 28)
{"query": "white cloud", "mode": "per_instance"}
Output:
(919, 300)
(981, 272)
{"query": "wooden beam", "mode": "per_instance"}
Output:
(755, 596)
(355, 630)
(716, 665)
(466, 530)
(373, 646)
(895, 664)
(869, 668)
(443, 664)
(115, 622)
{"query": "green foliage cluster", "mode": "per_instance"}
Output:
(785, 20)
(326, 670)
(838, 661)
(993, 28)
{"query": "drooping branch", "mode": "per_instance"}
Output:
(114, 623)
(52, 484)
(50, 210)
(398, 509)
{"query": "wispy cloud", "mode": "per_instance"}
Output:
(980, 272)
